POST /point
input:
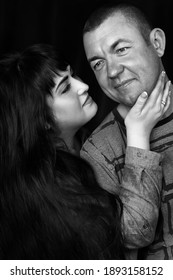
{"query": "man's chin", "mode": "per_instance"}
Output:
(129, 103)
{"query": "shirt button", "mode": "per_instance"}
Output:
(139, 154)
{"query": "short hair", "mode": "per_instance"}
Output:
(132, 13)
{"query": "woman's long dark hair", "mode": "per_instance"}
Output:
(51, 206)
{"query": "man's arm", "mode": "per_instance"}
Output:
(139, 189)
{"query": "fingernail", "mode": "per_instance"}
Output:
(163, 73)
(144, 94)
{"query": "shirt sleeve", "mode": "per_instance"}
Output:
(139, 189)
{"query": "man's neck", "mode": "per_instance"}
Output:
(123, 110)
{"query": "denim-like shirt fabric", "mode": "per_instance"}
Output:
(132, 173)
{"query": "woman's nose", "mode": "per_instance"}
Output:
(82, 87)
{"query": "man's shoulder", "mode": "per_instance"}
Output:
(107, 124)
(106, 132)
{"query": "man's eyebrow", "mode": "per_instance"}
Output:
(95, 57)
(61, 82)
(118, 42)
(113, 46)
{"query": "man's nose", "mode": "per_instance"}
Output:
(113, 69)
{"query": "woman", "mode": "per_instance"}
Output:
(51, 205)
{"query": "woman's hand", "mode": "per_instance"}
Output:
(146, 112)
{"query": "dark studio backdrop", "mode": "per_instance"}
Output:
(60, 23)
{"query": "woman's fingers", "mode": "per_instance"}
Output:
(166, 99)
(158, 90)
(159, 100)
(140, 102)
(167, 104)
(165, 96)
(163, 101)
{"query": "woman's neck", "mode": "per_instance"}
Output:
(71, 142)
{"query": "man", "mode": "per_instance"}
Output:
(125, 53)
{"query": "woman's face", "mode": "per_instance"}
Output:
(71, 104)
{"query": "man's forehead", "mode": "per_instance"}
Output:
(108, 33)
(116, 22)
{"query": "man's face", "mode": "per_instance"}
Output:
(123, 63)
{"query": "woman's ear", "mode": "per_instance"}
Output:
(158, 40)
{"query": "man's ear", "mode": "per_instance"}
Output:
(158, 40)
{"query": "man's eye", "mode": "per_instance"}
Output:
(66, 88)
(98, 65)
(121, 50)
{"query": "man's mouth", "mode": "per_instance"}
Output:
(123, 83)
